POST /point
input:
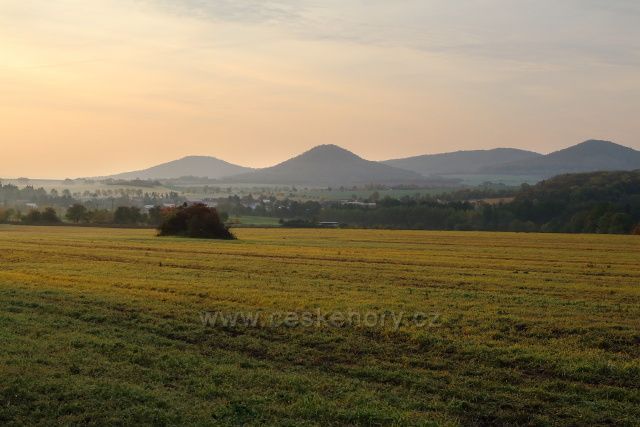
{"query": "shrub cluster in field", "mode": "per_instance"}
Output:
(194, 221)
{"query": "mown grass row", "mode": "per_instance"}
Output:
(103, 325)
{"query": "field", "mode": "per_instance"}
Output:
(105, 326)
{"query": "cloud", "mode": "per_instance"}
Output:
(387, 78)
(244, 11)
(578, 32)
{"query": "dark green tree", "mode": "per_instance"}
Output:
(50, 216)
(127, 215)
(77, 213)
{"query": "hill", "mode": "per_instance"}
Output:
(589, 156)
(328, 165)
(595, 202)
(198, 166)
(460, 162)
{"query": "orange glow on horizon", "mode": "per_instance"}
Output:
(94, 88)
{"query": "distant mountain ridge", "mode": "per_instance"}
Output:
(589, 156)
(328, 165)
(198, 166)
(333, 165)
(460, 162)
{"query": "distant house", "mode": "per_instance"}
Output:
(31, 205)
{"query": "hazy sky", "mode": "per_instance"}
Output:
(91, 87)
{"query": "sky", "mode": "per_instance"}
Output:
(93, 87)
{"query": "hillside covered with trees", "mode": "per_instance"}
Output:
(600, 202)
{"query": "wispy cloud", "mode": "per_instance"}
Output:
(540, 31)
(245, 11)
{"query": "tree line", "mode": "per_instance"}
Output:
(12, 196)
(600, 202)
(80, 214)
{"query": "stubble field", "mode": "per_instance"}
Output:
(106, 326)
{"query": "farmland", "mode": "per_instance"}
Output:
(105, 326)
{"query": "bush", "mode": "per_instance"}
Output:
(194, 221)
(48, 216)
(298, 223)
(127, 215)
(156, 216)
(5, 215)
(621, 223)
(33, 217)
(100, 216)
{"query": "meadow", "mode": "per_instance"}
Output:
(105, 326)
